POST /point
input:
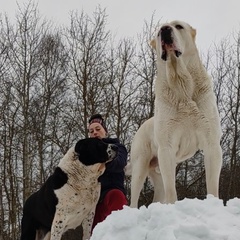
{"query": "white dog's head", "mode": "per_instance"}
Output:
(176, 39)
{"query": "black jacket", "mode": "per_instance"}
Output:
(113, 177)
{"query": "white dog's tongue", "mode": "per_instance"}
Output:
(169, 47)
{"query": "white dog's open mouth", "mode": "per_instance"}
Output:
(169, 47)
(167, 43)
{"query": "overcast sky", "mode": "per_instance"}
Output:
(213, 19)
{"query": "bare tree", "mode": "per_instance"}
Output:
(146, 72)
(87, 41)
(227, 74)
(29, 88)
(121, 90)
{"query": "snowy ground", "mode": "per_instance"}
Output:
(189, 219)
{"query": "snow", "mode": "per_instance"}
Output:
(188, 219)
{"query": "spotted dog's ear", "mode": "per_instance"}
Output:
(153, 43)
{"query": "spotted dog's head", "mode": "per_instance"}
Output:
(174, 39)
(93, 150)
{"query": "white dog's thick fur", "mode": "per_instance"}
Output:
(186, 118)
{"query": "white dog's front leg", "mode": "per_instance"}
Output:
(87, 225)
(156, 178)
(167, 165)
(139, 175)
(213, 165)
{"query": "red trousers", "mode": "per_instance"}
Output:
(113, 200)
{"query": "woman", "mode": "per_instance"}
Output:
(112, 196)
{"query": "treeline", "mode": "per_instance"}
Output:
(54, 78)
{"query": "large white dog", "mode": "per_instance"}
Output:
(186, 118)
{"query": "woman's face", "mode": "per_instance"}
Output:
(96, 130)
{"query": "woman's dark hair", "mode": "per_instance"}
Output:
(98, 119)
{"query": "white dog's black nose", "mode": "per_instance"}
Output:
(166, 34)
(165, 29)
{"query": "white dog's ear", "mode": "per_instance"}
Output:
(153, 43)
(193, 33)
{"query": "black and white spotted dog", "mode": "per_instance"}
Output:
(69, 194)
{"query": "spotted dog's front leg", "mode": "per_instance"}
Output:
(87, 225)
(58, 226)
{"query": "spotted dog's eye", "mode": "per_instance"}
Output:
(179, 26)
